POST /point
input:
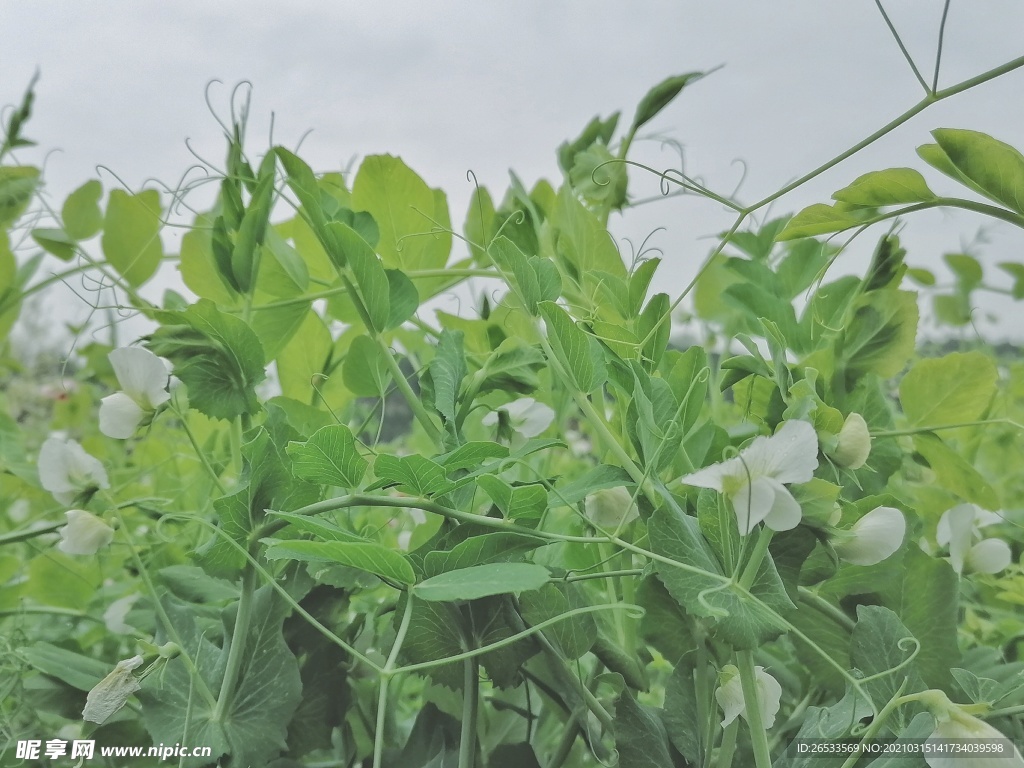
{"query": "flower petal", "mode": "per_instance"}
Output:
(854, 443)
(112, 692)
(955, 528)
(529, 417)
(142, 375)
(120, 416)
(729, 695)
(85, 534)
(769, 696)
(960, 726)
(785, 513)
(873, 538)
(791, 454)
(988, 556)
(66, 470)
(752, 502)
(611, 508)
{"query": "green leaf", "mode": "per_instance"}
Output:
(131, 234)
(520, 502)
(61, 580)
(681, 714)
(535, 279)
(415, 475)
(403, 297)
(599, 177)
(78, 671)
(594, 479)
(640, 736)
(323, 530)
(656, 321)
(880, 336)
(370, 276)
(660, 96)
(412, 217)
(329, 457)
(583, 240)
(81, 214)
(17, 185)
(216, 355)
(954, 473)
(597, 130)
(56, 242)
(574, 636)
(1016, 271)
(483, 580)
(880, 647)
(996, 168)
(471, 455)
(367, 556)
(706, 592)
(894, 186)
(579, 353)
(277, 326)
(254, 729)
(447, 370)
(497, 547)
(817, 219)
(966, 268)
(365, 372)
(953, 389)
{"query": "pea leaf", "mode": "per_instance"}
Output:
(17, 185)
(894, 186)
(329, 457)
(994, 166)
(370, 276)
(948, 390)
(367, 556)
(483, 580)
(416, 475)
(817, 219)
(660, 96)
(81, 213)
(55, 241)
(501, 546)
(365, 371)
(131, 234)
(216, 355)
(578, 352)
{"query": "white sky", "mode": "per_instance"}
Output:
(452, 86)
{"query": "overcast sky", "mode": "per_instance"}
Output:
(453, 86)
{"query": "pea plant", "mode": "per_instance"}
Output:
(308, 519)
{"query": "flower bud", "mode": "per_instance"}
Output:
(873, 538)
(85, 534)
(853, 443)
(954, 723)
(611, 508)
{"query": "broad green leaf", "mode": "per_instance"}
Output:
(78, 671)
(594, 479)
(56, 242)
(994, 166)
(307, 366)
(817, 219)
(596, 130)
(364, 371)
(197, 265)
(471, 455)
(283, 273)
(62, 580)
(367, 556)
(954, 473)
(1016, 271)
(575, 636)
(192, 584)
(216, 355)
(579, 353)
(513, 367)
(702, 589)
(582, 240)
(660, 96)
(681, 714)
(497, 547)
(520, 502)
(323, 530)
(411, 215)
(415, 475)
(81, 214)
(131, 234)
(329, 457)
(928, 607)
(403, 297)
(447, 370)
(880, 647)
(535, 279)
(483, 580)
(880, 336)
(370, 276)
(966, 268)
(895, 186)
(599, 177)
(640, 735)
(436, 631)
(17, 185)
(953, 389)
(254, 729)
(655, 322)
(277, 326)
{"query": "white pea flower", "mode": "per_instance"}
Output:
(117, 612)
(955, 724)
(754, 480)
(67, 471)
(611, 508)
(85, 534)
(873, 538)
(853, 443)
(730, 695)
(960, 529)
(112, 692)
(143, 378)
(525, 416)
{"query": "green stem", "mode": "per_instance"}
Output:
(236, 651)
(936, 428)
(470, 710)
(728, 747)
(44, 611)
(30, 533)
(876, 724)
(823, 606)
(385, 680)
(752, 709)
(764, 538)
(604, 574)
(403, 386)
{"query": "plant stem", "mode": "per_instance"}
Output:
(960, 425)
(470, 710)
(816, 601)
(385, 680)
(30, 533)
(199, 451)
(764, 538)
(752, 709)
(403, 386)
(236, 651)
(728, 747)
